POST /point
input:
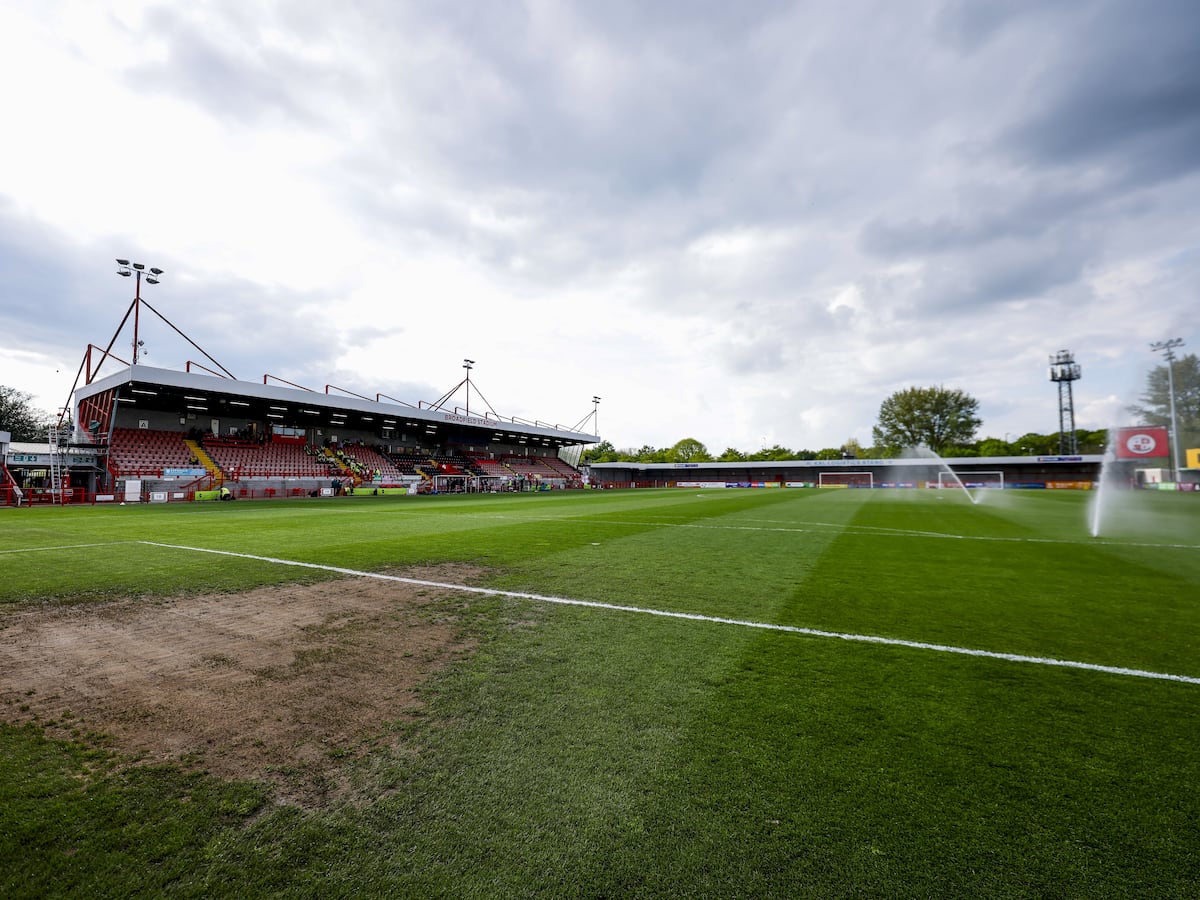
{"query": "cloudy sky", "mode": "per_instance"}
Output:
(747, 223)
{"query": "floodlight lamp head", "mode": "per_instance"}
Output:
(139, 266)
(154, 270)
(125, 272)
(122, 262)
(150, 279)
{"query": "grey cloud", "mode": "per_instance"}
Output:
(670, 103)
(55, 292)
(61, 296)
(967, 25)
(232, 73)
(998, 216)
(245, 327)
(967, 283)
(749, 354)
(1125, 94)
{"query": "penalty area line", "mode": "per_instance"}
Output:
(697, 617)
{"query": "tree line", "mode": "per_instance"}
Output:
(20, 418)
(692, 450)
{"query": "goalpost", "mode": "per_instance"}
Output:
(971, 480)
(846, 480)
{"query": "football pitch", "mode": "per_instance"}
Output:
(775, 693)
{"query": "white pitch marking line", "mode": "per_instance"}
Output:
(697, 617)
(67, 547)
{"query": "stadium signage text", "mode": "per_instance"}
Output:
(43, 459)
(464, 420)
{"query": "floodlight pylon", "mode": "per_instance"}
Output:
(1065, 371)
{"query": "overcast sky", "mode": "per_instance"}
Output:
(747, 223)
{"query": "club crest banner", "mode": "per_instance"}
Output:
(1145, 442)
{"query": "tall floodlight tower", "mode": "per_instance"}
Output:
(1064, 371)
(126, 268)
(468, 364)
(1167, 349)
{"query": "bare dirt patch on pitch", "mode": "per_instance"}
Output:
(282, 684)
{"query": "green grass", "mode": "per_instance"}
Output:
(595, 753)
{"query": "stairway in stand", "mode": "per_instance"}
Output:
(214, 471)
(345, 472)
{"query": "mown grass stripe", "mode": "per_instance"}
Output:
(848, 530)
(696, 617)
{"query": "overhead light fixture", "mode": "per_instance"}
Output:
(147, 393)
(186, 397)
(280, 408)
(238, 403)
(125, 268)
(273, 416)
(368, 418)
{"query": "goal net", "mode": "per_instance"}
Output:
(846, 480)
(971, 480)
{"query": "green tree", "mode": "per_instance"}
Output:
(1155, 408)
(19, 418)
(688, 450)
(830, 453)
(937, 417)
(991, 446)
(774, 453)
(601, 452)
(732, 454)
(649, 454)
(1032, 444)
